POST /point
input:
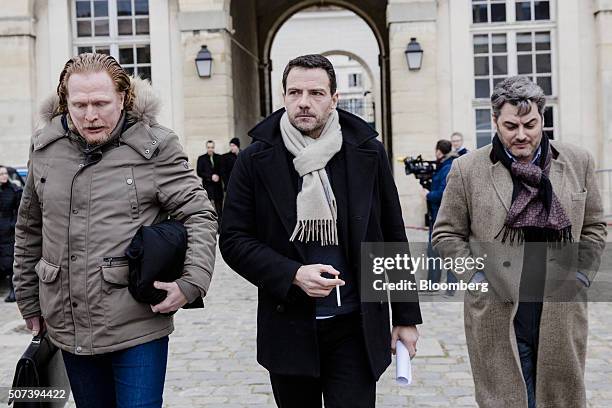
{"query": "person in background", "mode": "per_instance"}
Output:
(10, 196)
(444, 158)
(457, 141)
(209, 169)
(228, 160)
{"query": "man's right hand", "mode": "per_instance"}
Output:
(36, 324)
(309, 279)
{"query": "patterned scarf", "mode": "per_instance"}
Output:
(534, 203)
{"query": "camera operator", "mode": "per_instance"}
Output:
(444, 158)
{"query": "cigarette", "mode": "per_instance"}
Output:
(338, 295)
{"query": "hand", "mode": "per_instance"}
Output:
(36, 324)
(408, 335)
(215, 178)
(309, 279)
(175, 299)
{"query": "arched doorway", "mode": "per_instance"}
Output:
(270, 15)
(355, 57)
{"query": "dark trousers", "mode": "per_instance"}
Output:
(346, 379)
(527, 330)
(130, 378)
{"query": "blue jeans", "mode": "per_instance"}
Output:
(527, 330)
(130, 378)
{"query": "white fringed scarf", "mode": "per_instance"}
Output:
(317, 213)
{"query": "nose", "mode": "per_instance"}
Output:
(521, 133)
(304, 101)
(91, 114)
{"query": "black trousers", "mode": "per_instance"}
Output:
(346, 379)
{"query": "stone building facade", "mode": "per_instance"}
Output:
(565, 45)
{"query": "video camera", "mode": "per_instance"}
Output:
(423, 170)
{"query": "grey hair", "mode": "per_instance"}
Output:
(518, 91)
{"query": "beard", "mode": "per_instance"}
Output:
(308, 127)
(98, 140)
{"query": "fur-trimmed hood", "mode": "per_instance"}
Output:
(145, 108)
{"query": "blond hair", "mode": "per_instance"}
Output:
(89, 63)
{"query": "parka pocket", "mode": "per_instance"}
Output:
(50, 293)
(120, 307)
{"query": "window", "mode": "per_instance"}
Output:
(549, 121)
(532, 10)
(115, 27)
(522, 43)
(484, 127)
(490, 62)
(355, 81)
(488, 11)
(534, 58)
(353, 105)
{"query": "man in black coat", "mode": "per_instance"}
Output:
(228, 160)
(310, 344)
(209, 170)
(10, 197)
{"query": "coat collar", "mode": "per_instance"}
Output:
(355, 131)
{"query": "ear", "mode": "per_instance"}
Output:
(335, 100)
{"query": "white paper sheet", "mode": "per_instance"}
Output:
(403, 374)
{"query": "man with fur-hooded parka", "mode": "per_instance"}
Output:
(82, 205)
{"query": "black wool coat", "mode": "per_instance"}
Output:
(10, 196)
(205, 171)
(260, 215)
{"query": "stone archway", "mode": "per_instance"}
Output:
(269, 16)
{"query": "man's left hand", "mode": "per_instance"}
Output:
(175, 299)
(407, 335)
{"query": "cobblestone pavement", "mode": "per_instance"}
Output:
(212, 354)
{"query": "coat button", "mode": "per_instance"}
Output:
(43, 180)
(129, 181)
(74, 304)
(73, 258)
(506, 264)
(81, 165)
(75, 211)
(280, 308)
(147, 151)
(154, 142)
(79, 349)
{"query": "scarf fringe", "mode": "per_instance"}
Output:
(517, 235)
(323, 231)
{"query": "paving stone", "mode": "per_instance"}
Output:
(212, 357)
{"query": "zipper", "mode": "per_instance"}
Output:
(110, 260)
